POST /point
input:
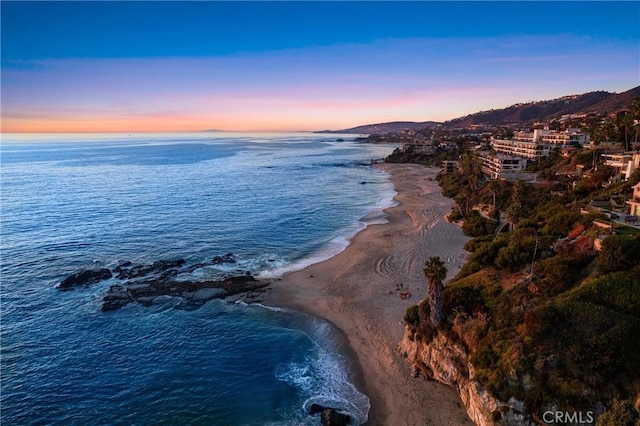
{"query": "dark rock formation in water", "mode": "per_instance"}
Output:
(126, 273)
(194, 293)
(144, 283)
(227, 258)
(90, 276)
(330, 417)
(316, 408)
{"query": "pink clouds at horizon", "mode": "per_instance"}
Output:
(328, 87)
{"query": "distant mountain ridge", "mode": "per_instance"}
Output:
(593, 102)
(601, 102)
(390, 127)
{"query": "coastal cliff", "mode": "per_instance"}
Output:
(542, 321)
(443, 359)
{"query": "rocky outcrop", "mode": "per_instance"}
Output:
(144, 283)
(227, 258)
(161, 269)
(447, 361)
(194, 293)
(90, 276)
(127, 272)
(330, 417)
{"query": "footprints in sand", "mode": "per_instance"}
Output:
(430, 219)
(403, 266)
(427, 233)
(436, 237)
(387, 267)
(424, 220)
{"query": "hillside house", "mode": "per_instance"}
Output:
(503, 166)
(449, 166)
(634, 202)
(539, 143)
(625, 163)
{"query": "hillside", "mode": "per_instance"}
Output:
(546, 314)
(593, 102)
(599, 102)
(390, 127)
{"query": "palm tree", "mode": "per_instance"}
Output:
(470, 165)
(624, 123)
(494, 186)
(435, 272)
(516, 211)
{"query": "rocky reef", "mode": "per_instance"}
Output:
(329, 416)
(88, 277)
(194, 293)
(144, 283)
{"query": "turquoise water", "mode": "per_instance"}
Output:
(74, 202)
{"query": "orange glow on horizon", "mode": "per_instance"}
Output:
(154, 125)
(284, 121)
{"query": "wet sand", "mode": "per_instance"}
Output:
(360, 292)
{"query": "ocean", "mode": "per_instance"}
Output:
(277, 202)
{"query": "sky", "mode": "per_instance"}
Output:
(300, 66)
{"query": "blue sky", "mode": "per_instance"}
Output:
(145, 66)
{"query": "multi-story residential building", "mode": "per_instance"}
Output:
(624, 163)
(570, 137)
(539, 143)
(634, 202)
(605, 145)
(449, 166)
(503, 166)
(519, 147)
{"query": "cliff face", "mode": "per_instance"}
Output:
(448, 362)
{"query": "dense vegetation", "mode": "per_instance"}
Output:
(550, 309)
(410, 156)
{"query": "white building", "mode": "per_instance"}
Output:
(634, 202)
(539, 143)
(625, 163)
(570, 137)
(519, 147)
(503, 166)
(449, 166)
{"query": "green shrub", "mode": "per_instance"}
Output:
(485, 358)
(561, 223)
(412, 316)
(468, 299)
(560, 273)
(486, 254)
(619, 291)
(475, 225)
(470, 267)
(516, 254)
(476, 242)
(621, 413)
(619, 253)
(455, 216)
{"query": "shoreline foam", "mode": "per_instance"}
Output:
(356, 291)
(376, 215)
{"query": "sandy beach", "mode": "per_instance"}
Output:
(360, 291)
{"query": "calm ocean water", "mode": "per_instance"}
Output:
(74, 202)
